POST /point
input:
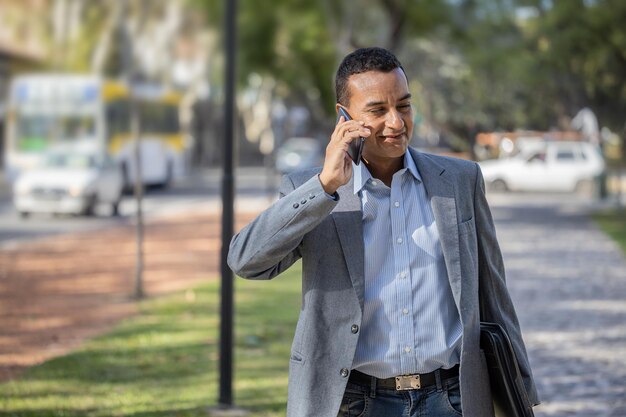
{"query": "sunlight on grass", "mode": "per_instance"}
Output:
(164, 362)
(613, 222)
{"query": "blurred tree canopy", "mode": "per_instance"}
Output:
(475, 64)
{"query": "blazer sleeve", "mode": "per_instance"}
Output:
(497, 301)
(270, 244)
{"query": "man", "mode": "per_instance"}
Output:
(393, 251)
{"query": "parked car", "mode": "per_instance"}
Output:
(548, 166)
(69, 183)
(299, 153)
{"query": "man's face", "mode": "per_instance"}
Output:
(382, 101)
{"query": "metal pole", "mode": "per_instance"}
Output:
(226, 307)
(138, 189)
(128, 66)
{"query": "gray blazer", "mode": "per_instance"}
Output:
(328, 236)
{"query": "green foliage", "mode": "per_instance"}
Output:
(306, 54)
(286, 40)
(164, 362)
(585, 43)
(528, 64)
(478, 64)
(613, 222)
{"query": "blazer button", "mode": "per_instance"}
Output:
(344, 372)
(355, 329)
(296, 205)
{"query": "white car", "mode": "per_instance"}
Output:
(69, 183)
(548, 166)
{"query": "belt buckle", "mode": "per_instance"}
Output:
(408, 382)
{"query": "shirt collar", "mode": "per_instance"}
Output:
(362, 174)
(409, 163)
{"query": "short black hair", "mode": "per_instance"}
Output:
(359, 61)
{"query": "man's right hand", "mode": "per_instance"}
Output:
(337, 169)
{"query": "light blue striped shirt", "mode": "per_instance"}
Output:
(410, 321)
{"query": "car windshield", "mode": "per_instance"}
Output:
(70, 161)
(539, 156)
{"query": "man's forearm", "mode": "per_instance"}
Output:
(269, 244)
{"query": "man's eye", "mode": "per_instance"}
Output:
(377, 111)
(405, 107)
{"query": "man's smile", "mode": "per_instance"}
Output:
(397, 136)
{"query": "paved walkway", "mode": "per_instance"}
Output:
(568, 281)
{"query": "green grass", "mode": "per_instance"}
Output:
(164, 361)
(613, 222)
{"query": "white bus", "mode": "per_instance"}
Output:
(92, 114)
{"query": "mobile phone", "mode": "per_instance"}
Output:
(356, 146)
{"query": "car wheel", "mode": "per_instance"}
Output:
(128, 184)
(585, 188)
(169, 176)
(90, 208)
(115, 208)
(498, 186)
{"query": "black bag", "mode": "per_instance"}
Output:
(507, 386)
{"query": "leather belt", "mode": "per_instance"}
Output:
(404, 382)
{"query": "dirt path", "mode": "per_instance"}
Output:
(58, 291)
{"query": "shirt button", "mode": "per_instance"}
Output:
(405, 311)
(354, 329)
(344, 372)
(399, 240)
(374, 183)
(397, 204)
(407, 349)
(296, 205)
(403, 274)
(303, 201)
(311, 196)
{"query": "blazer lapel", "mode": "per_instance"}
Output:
(348, 219)
(440, 191)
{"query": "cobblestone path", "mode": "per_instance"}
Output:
(568, 282)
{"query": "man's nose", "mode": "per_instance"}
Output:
(394, 120)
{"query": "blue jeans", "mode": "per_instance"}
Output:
(433, 401)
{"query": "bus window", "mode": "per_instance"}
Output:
(37, 132)
(171, 119)
(117, 118)
(159, 118)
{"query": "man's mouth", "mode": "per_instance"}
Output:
(393, 137)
